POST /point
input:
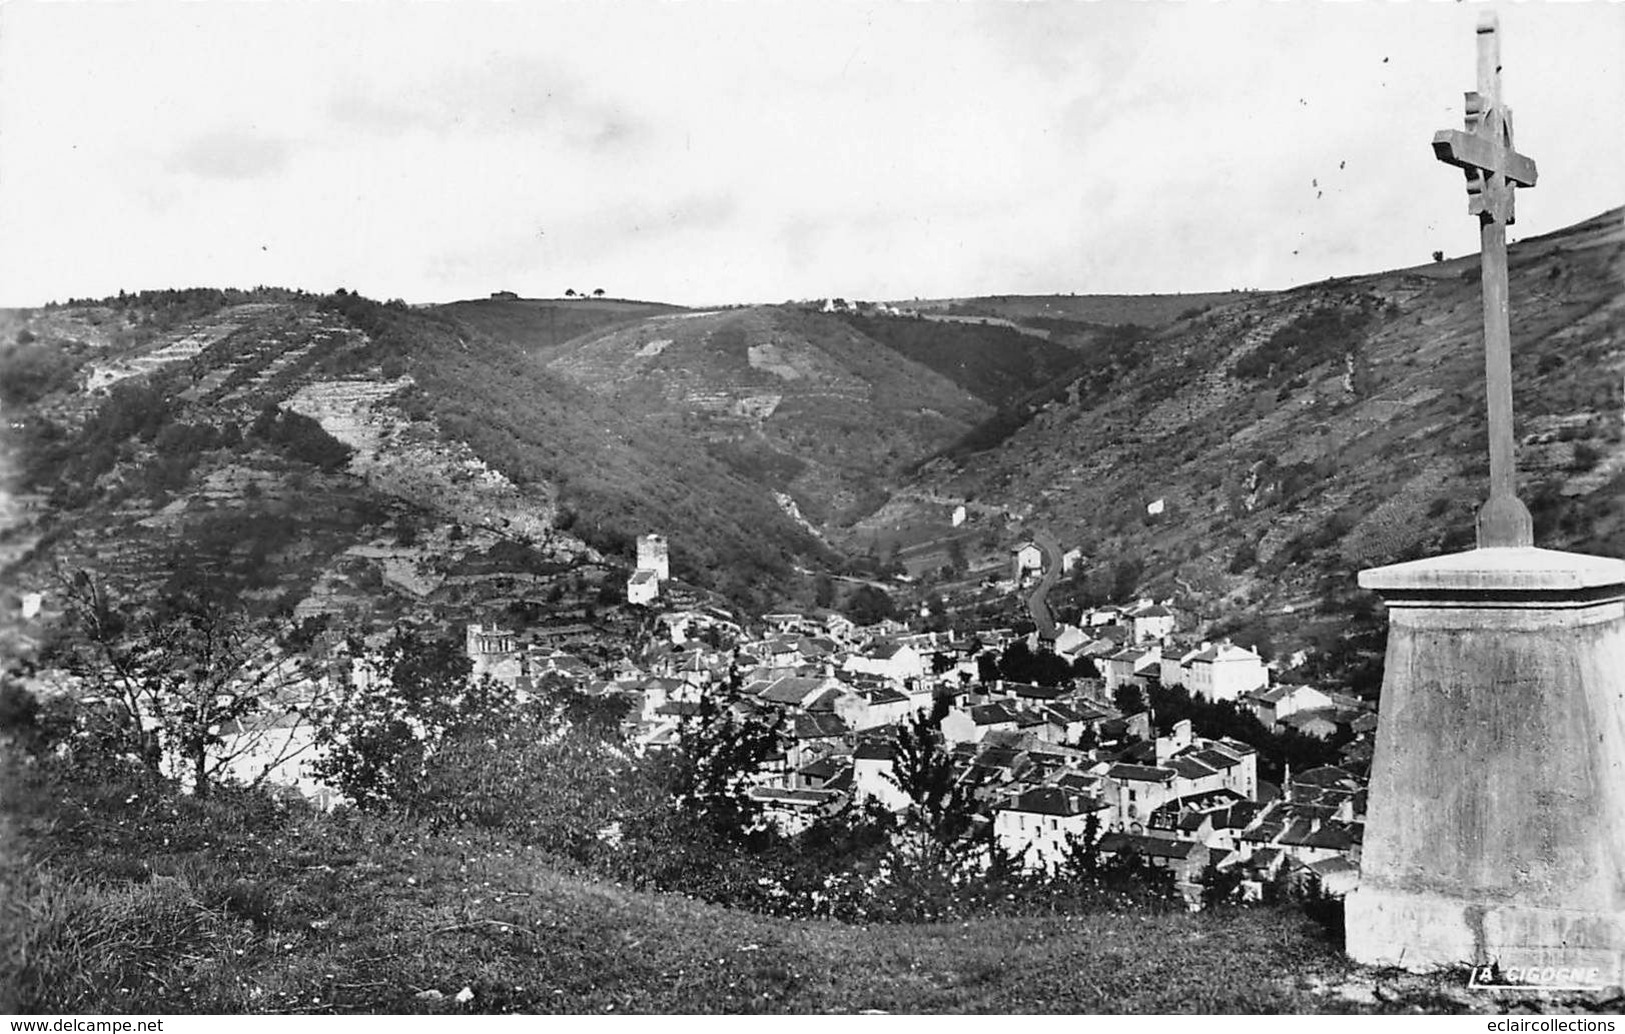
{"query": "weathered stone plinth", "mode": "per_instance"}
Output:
(1496, 824)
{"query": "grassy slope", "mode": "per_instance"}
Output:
(128, 902)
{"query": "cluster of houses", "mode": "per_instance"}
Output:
(1048, 765)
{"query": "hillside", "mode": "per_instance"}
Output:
(334, 455)
(796, 402)
(319, 449)
(1296, 437)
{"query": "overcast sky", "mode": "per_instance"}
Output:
(705, 152)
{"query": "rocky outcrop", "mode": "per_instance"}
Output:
(411, 461)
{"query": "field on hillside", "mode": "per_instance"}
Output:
(538, 326)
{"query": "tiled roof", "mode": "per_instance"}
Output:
(1140, 773)
(991, 714)
(794, 798)
(1264, 857)
(1030, 692)
(1190, 768)
(1300, 718)
(824, 701)
(1297, 833)
(998, 756)
(886, 695)
(1237, 816)
(1078, 781)
(1333, 865)
(823, 768)
(1326, 775)
(1217, 759)
(1050, 800)
(1332, 836)
(1264, 832)
(1151, 847)
(791, 689)
(817, 727)
(874, 750)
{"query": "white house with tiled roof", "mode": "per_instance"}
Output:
(896, 661)
(970, 726)
(1025, 557)
(1153, 622)
(872, 774)
(1131, 664)
(1275, 703)
(1224, 671)
(1175, 656)
(1037, 824)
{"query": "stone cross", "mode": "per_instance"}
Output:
(1484, 152)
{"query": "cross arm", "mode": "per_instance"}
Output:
(1473, 152)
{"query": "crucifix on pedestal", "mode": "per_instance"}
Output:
(1495, 830)
(1484, 152)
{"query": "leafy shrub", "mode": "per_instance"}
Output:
(1246, 556)
(301, 438)
(868, 605)
(1322, 335)
(1586, 456)
(32, 369)
(417, 697)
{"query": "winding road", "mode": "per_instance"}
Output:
(1052, 572)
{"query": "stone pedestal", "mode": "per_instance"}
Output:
(1496, 826)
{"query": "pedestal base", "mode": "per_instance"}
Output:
(1496, 826)
(1429, 931)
